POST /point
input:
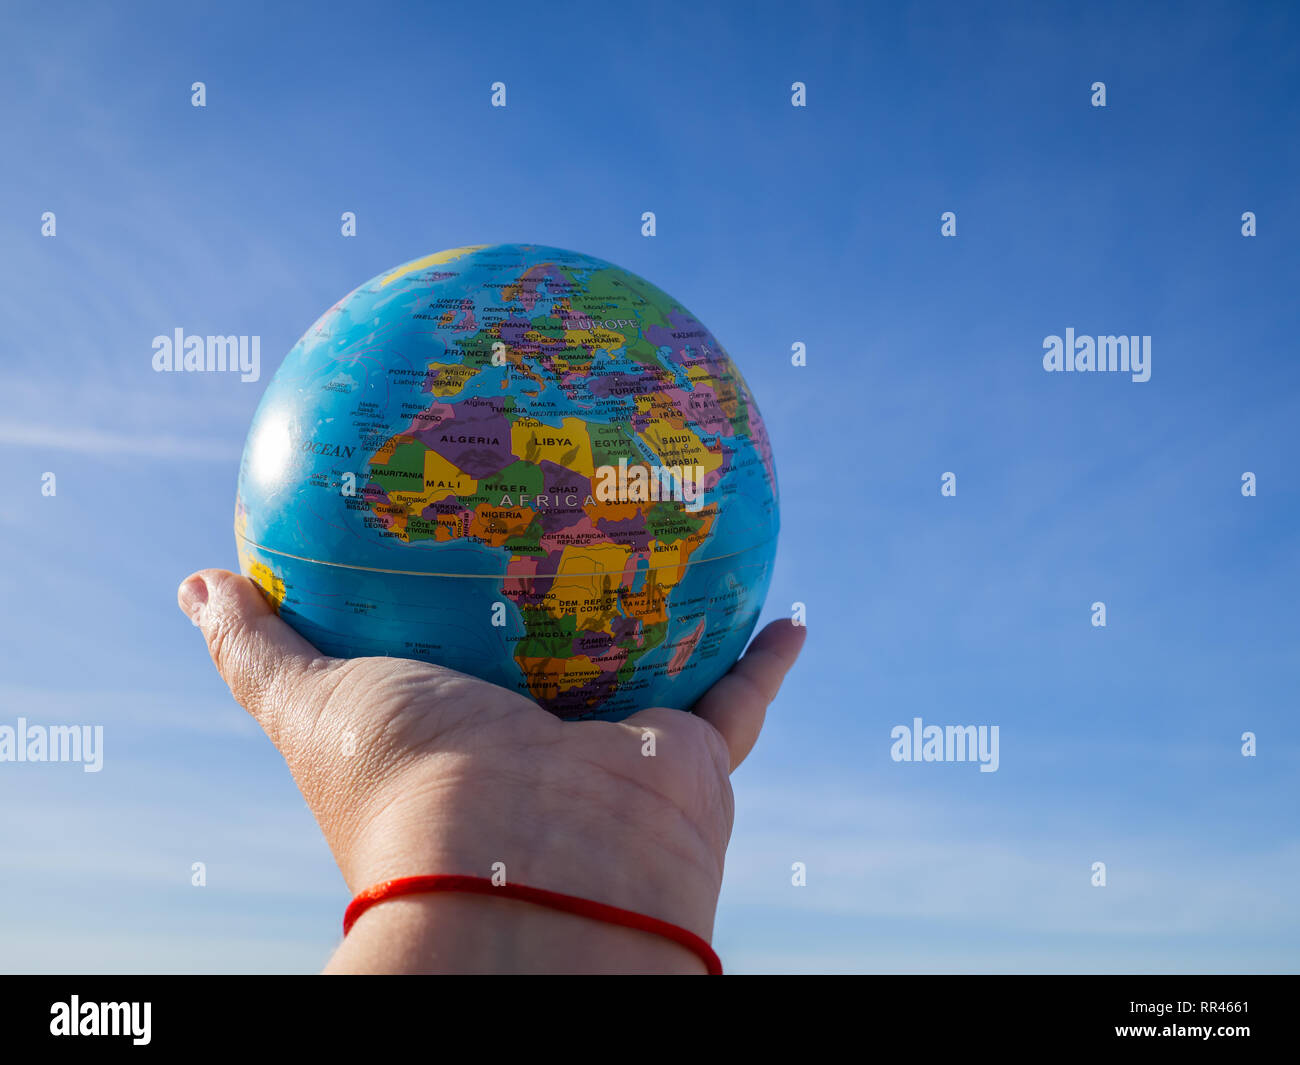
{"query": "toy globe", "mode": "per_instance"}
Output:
(521, 463)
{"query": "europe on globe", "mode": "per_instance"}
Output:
(522, 463)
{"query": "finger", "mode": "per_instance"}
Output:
(737, 704)
(268, 667)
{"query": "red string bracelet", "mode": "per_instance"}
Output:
(481, 885)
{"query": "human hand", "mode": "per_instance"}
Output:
(411, 768)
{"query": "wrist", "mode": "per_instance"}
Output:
(663, 868)
(463, 933)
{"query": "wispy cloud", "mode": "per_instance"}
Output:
(90, 441)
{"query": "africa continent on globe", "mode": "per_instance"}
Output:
(522, 463)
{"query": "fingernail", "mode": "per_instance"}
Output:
(193, 597)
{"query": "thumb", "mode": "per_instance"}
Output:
(737, 704)
(269, 668)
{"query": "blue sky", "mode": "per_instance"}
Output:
(775, 225)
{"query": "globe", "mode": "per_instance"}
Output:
(521, 463)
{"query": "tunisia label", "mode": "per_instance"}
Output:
(521, 463)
